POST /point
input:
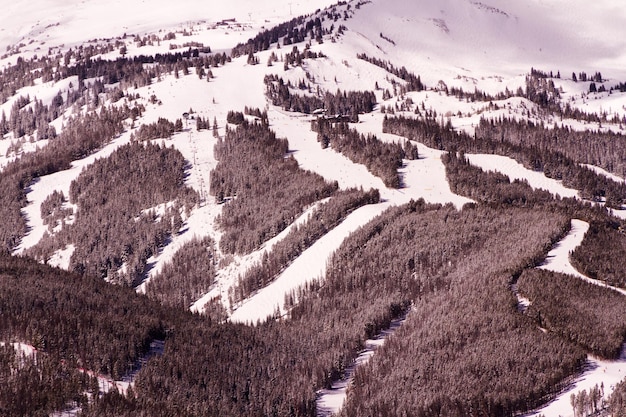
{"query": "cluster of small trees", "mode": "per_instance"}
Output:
(381, 159)
(491, 188)
(617, 400)
(235, 117)
(162, 128)
(293, 31)
(24, 73)
(52, 211)
(589, 403)
(189, 275)
(133, 72)
(414, 83)
(205, 123)
(295, 57)
(344, 103)
(24, 118)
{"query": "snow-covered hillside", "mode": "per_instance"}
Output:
(40, 25)
(468, 44)
(476, 39)
(487, 45)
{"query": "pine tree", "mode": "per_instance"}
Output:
(215, 132)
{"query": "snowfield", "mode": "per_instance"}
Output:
(40, 25)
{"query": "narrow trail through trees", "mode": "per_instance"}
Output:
(330, 401)
(597, 371)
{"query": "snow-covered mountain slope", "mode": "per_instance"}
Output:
(471, 44)
(39, 25)
(473, 38)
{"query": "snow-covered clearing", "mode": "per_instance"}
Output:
(61, 258)
(330, 401)
(516, 171)
(597, 371)
(475, 40)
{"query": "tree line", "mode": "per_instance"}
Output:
(414, 82)
(587, 314)
(549, 156)
(346, 103)
(262, 188)
(600, 254)
(381, 159)
(323, 219)
(598, 148)
(188, 276)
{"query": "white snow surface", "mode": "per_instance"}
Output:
(473, 38)
(516, 171)
(61, 258)
(44, 23)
